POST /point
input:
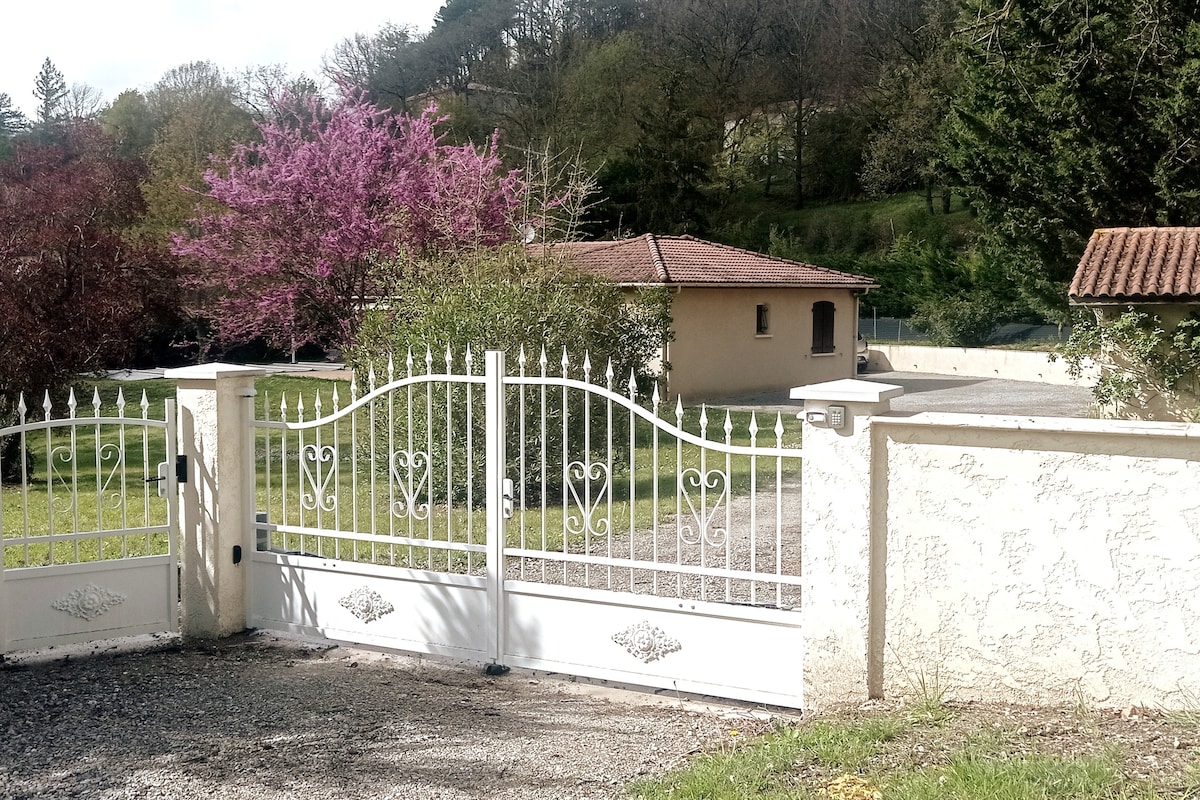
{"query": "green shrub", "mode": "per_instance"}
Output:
(504, 300)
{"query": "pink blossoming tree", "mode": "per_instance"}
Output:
(330, 210)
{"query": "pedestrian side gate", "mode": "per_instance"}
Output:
(534, 520)
(87, 525)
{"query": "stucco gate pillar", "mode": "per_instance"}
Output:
(842, 555)
(216, 408)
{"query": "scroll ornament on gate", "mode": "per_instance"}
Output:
(646, 642)
(713, 482)
(318, 493)
(410, 473)
(89, 602)
(366, 604)
(580, 476)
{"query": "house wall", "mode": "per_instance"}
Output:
(1013, 560)
(716, 352)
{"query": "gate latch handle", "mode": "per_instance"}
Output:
(508, 498)
(163, 473)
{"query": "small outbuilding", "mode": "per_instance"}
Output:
(1151, 268)
(1154, 271)
(743, 322)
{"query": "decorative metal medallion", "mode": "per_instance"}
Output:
(366, 604)
(646, 642)
(89, 602)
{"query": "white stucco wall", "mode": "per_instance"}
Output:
(1017, 559)
(1027, 560)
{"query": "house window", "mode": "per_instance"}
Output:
(823, 327)
(762, 320)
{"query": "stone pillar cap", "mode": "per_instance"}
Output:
(847, 390)
(213, 371)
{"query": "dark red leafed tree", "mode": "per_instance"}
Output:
(319, 219)
(75, 292)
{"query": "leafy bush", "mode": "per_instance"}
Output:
(1144, 359)
(965, 320)
(502, 299)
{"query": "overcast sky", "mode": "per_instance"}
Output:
(129, 44)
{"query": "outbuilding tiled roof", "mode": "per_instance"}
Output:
(1139, 265)
(687, 261)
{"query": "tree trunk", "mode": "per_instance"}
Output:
(929, 197)
(946, 195)
(798, 136)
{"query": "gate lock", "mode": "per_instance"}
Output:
(508, 498)
(164, 472)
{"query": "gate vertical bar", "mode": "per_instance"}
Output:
(174, 528)
(494, 461)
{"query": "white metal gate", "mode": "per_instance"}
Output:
(88, 525)
(535, 520)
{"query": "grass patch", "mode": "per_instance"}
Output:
(978, 773)
(767, 767)
(872, 759)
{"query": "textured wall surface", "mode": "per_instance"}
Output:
(1028, 560)
(837, 557)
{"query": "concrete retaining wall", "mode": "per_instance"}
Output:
(1013, 365)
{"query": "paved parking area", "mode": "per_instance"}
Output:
(951, 393)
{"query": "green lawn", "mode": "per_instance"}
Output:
(92, 492)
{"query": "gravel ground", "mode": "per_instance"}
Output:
(264, 716)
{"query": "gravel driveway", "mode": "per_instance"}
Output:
(263, 716)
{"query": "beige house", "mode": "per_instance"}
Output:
(1152, 270)
(742, 321)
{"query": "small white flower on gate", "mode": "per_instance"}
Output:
(366, 604)
(89, 602)
(646, 642)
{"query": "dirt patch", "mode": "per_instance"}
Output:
(261, 716)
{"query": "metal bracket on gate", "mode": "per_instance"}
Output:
(162, 475)
(164, 472)
(508, 498)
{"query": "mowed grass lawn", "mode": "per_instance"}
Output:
(93, 491)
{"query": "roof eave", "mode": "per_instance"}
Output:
(1133, 301)
(750, 285)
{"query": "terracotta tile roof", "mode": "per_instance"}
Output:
(688, 261)
(1145, 265)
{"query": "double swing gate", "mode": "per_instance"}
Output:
(534, 520)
